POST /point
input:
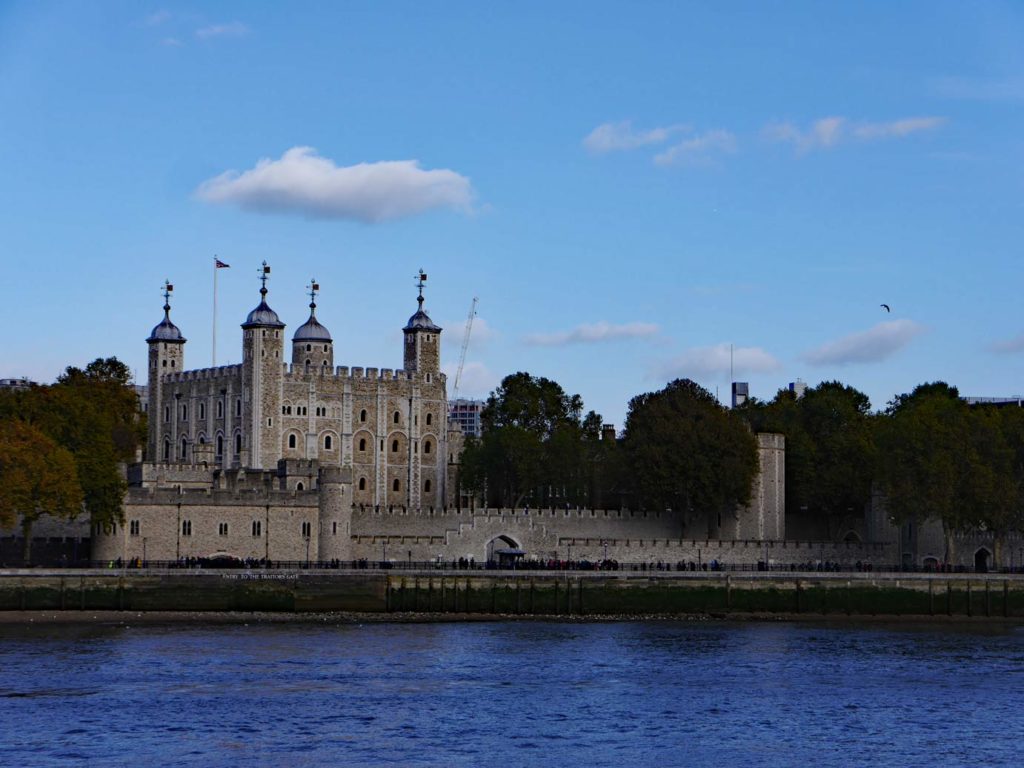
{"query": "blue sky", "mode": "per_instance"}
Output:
(627, 188)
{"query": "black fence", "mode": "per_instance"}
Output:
(463, 564)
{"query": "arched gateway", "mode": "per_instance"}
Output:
(504, 551)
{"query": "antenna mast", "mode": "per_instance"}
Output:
(465, 346)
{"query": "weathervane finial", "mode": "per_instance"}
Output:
(168, 290)
(263, 279)
(421, 280)
(314, 289)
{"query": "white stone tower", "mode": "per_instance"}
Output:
(166, 356)
(262, 384)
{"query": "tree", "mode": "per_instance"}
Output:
(535, 446)
(37, 477)
(942, 460)
(685, 451)
(830, 448)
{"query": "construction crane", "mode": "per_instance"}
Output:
(465, 346)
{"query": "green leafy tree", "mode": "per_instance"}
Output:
(37, 477)
(685, 451)
(830, 449)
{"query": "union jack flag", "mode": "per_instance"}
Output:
(218, 264)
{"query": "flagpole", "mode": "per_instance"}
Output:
(214, 358)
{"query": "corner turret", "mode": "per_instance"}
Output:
(166, 356)
(312, 347)
(422, 337)
(262, 383)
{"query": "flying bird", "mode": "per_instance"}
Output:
(885, 307)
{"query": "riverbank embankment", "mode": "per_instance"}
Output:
(454, 594)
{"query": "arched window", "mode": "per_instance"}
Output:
(362, 483)
(202, 439)
(328, 442)
(300, 487)
(291, 441)
(238, 443)
(167, 450)
(394, 446)
(362, 415)
(220, 445)
(184, 448)
(396, 417)
(426, 447)
(362, 444)
(309, 347)
(426, 486)
(395, 485)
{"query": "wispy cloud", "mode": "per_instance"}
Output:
(717, 361)
(698, 148)
(157, 18)
(171, 42)
(477, 379)
(1010, 346)
(230, 29)
(592, 333)
(302, 182)
(482, 333)
(870, 346)
(980, 89)
(829, 132)
(612, 137)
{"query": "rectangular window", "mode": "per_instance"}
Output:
(222, 529)
(167, 413)
(202, 411)
(184, 413)
(306, 529)
(133, 527)
(220, 409)
(186, 527)
(257, 527)
(334, 528)
(238, 407)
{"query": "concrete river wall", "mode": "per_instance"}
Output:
(517, 593)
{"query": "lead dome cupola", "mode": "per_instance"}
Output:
(165, 330)
(263, 316)
(312, 329)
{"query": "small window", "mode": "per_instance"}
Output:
(184, 413)
(426, 486)
(172, 363)
(307, 529)
(426, 447)
(167, 450)
(220, 409)
(220, 445)
(164, 363)
(184, 448)
(325, 349)
(328, 443)
(222, 529)
(202, 411)
(186, 527)
(167, 413)
(291, 441)
(238, 443)
(394, 446)
(396, 417)
(362, 483)
(362, 444)
(238, 407)
(270, 421)
(334, 528)
(309, 348)
(395, 485)
(133, 527)
(430, 417)
(257, 527)
(362, 415)
(300, 486)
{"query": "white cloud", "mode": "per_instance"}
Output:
(610, 137)
(697, 148)
(230, 29)
(1010, 346)
(477, 379)
(897, 129)
(870, 346)
(157, 18)
(589, 333)
(718, 360)
(171, 42)
(305, 183)
(829, 132)
(481, 334)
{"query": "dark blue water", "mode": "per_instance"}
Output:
(511, 694)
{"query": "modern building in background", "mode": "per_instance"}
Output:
(21, 383)
(466, 413)
(740, 393)
(798, 388)
(1001, 402)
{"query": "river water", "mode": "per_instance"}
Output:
(511, 694)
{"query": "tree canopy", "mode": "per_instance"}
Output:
(685, 451)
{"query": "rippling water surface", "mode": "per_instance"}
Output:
(510, 694)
